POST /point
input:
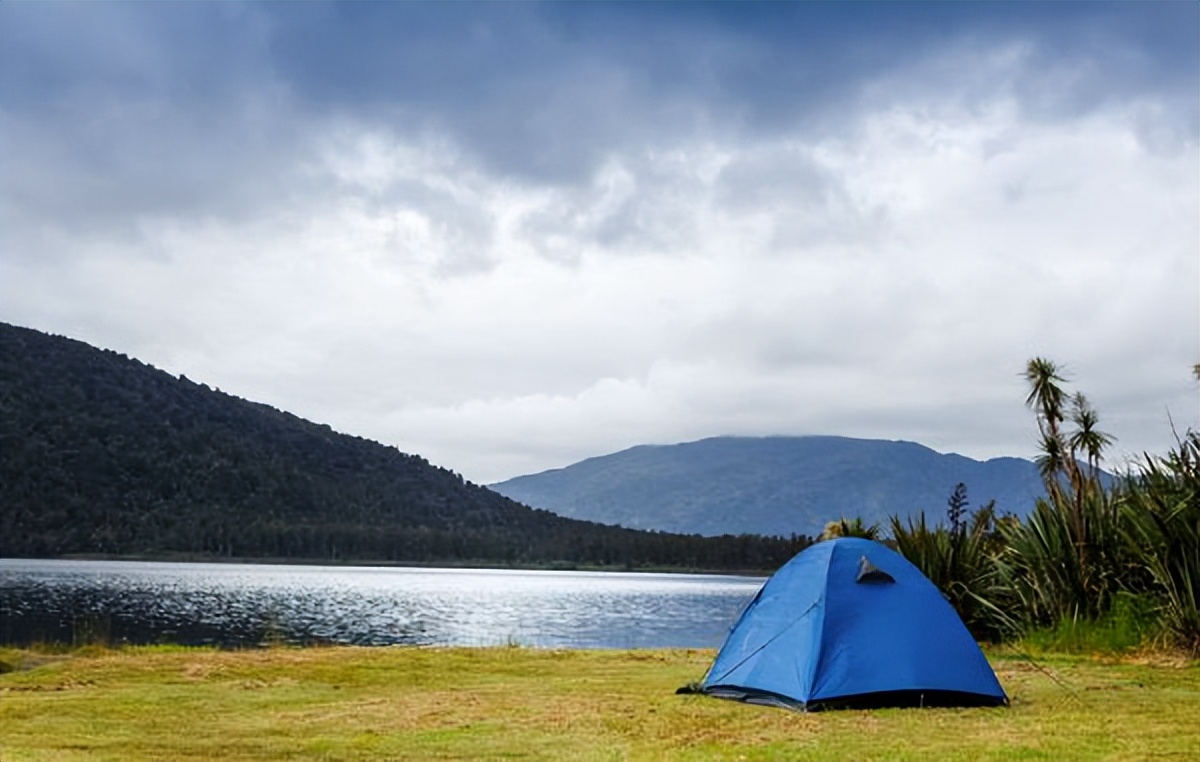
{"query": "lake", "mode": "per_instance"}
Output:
(245, 605)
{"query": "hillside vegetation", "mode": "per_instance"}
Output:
(103, 454)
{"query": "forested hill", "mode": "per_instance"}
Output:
(103, 454)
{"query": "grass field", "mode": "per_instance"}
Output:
(165, 704)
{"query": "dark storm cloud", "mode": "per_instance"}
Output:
(548, 90)
(112, 110)
(115, 112)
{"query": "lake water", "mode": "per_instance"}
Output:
(241, 605)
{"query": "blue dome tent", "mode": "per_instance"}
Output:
(851, 623)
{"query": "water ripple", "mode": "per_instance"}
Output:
(241, 605)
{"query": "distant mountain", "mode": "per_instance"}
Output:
(772, 485)
(102, 454)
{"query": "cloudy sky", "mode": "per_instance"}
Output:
(509, 236)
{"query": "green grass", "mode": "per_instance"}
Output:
(1128, 626)
(140, 704)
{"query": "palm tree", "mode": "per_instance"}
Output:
(1059, 462)
(1050, 465)
(1045, 395)
(1060, 453)
(1046, 398)
(1086, 438)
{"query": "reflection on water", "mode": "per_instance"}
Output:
(237, 605)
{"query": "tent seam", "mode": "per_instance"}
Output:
(769, 641)
(816, 664)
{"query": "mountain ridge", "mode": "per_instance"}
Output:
(772, 485)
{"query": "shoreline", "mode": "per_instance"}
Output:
(480, 564)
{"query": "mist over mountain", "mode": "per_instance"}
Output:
(772, 485)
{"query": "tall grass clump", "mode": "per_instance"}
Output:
(845, 527)
(1160, 513)
(961, 560)
(1060, 566)
(1128, 624)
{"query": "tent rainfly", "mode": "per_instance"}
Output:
(850, 623)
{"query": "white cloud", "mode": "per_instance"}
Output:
(886, 279)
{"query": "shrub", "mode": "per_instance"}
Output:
(1160, 511)
(1061, 565)
(961, 561)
